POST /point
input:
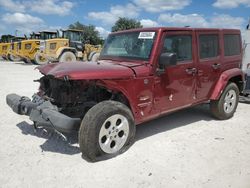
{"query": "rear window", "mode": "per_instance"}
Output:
(231, 44)
(209, 46)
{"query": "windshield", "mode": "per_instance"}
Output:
(73, 36)
(35, 36)
(46, 36)
(132, 45)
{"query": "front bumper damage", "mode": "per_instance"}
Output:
(42, 113)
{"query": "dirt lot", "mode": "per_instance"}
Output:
(185, 149)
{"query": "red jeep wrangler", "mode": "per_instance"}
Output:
(141, 74)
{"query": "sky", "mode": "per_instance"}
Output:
(24, 16)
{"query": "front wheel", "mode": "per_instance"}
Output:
(67, 57)
(107, 130)
(225, 107)
(40, 60)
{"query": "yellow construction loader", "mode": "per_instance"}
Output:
(1, 49)
(5, 47)
(12, 53)
(68, 48)
(28, 48)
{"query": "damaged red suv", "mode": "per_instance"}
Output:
(141, 74)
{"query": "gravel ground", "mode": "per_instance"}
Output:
(184, 149)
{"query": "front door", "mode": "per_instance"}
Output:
(176, 88)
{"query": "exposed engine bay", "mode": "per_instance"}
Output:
(73, 97)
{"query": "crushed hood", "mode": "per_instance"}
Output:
(88, 70)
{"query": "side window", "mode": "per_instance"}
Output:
(179, 44)
(232, 45)
(52, 46)
(209, 46)
(27, 46)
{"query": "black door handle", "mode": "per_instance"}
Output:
(191, 71)
(216, 66)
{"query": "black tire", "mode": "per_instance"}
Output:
(220, 107)
(93, 123)
(90, 55)
(9, 58)
(39, 60)
(95, 57)
(26, 61)
(14, 58)
(67, 57)
(33, 62)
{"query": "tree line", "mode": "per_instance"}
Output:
(92, 36)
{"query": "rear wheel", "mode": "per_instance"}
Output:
(225, 107)
(14, 58)
(67, 57)
(26, 61)
(106, 130)
(40, 60)
(9, 58)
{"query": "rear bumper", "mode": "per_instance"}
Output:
(42, 113)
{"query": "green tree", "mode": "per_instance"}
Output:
(90, 35)
(126, 23)
(6, 38)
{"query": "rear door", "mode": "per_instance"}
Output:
(209, 62)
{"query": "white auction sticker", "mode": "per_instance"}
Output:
(146, 35)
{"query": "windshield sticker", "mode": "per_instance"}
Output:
(146, 35)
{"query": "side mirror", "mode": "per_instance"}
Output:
(167, 59)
